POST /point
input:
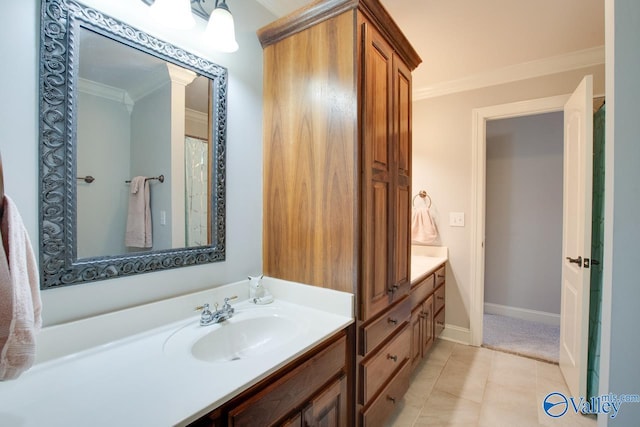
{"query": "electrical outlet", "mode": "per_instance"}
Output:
(456, 219)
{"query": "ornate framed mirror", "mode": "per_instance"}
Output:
(117, 103)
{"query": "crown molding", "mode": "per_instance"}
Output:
(526, 70)
(196, 116)
(107, 92)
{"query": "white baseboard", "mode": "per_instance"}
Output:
(456, 334)
(522, 313)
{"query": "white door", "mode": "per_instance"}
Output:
(576, 240)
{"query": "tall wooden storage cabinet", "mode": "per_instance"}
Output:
(337, 176)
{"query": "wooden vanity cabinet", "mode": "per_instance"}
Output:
(337, 176)
(310, 391)
(422, 330)
(427, 313)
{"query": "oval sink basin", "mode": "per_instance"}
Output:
(244, 338)
(247, 334)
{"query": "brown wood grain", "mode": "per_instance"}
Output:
(380, 329)
(427, 331)
(281, 398)
(321, 10)
(378, 369)
(416, 336)
(310, 198)
(376, 414)
(328, 408)
(377, 143)
(337, 164)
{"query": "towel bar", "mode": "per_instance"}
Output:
(423, 194)
(159, 178)
(88, 179)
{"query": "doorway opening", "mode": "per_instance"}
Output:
(480, 118)
(523, 235)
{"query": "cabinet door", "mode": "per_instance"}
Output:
(427, 325)
(401, 176)
(377, 157)
(416, 336)
(329, 408)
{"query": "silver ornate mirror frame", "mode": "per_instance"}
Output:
(59, 43)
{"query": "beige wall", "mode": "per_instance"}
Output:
(442, 164)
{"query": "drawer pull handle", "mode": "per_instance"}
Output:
(394, 357)
(440, 323)
(392, 399)
(392, 321)
(440, 276)
(439, 297)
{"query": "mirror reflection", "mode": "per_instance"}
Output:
(140, 116)
(119, 105)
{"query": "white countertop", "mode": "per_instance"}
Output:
(132, 381)
(425, 259)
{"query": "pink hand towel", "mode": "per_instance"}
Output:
(20, 305)
(423, 228)
(139, 232)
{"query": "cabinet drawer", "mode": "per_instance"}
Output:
(381, 328)
(421, 290)
(379, 368)
(387, 401)
(284, 395)
(440, 276)
(438, 302)
(439, 323)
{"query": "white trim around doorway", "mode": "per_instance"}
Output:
(478, 174)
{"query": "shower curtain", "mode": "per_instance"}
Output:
(597, 237)
(196, 173)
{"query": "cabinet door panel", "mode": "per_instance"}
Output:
(427, 322)
(283, 396)
(378, 202)
(401, 176)
(329, 408)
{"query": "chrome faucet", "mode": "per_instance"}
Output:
(207, 317)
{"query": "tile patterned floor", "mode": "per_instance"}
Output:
(460, 385)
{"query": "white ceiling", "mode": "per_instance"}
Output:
(476, 42)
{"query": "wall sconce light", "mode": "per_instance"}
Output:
(220, 31)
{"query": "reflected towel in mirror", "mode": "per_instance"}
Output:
(139, 231)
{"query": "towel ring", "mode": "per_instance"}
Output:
(423, 194)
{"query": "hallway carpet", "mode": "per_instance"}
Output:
(522, 337)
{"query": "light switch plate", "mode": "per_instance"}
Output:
(456, 219)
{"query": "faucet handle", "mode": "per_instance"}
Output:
(226, 305)
(204, 307)
(206, 316)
